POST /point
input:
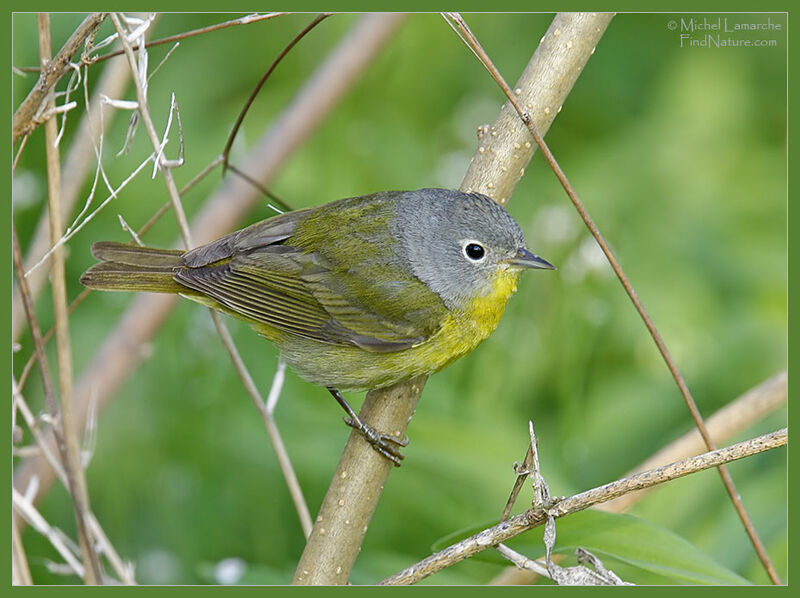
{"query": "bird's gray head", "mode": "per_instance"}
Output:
(457, 243)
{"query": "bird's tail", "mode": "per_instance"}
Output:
(126, 267)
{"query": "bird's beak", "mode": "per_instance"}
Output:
(525, 259)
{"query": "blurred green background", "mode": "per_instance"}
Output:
(678, 153)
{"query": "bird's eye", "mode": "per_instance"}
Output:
(474, 251)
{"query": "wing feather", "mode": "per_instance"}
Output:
(292, 272)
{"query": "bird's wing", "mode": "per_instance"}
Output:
(363, 298)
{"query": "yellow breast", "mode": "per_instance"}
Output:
(349, 367)
(466, 328)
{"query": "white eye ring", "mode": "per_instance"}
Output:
(474, 251)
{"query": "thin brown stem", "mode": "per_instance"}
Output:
(227, 150)
(26, 370)
(18, 155)
(168, 204)
(730, 420)
(267, 417)
(523, 522)
(72, 462)
(526, 118)
(522, 475)
(245, 177)
(123, 570)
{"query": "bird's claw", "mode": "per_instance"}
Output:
(385, 444)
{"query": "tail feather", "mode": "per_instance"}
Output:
(131, 268)
(135, 255)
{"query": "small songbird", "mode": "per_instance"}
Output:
(357, 294)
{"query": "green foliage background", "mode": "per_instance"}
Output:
(678, 153)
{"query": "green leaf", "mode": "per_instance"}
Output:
(622, 538)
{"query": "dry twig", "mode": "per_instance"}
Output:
(246, 20)
(732, 419)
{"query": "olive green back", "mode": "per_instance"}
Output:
(333, 274)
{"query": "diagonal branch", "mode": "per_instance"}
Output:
(246, 20)
(523, 522)
(730, 420)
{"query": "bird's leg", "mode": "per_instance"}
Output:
(385, 444)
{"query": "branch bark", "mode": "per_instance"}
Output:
(495, 170)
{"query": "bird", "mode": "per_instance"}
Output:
(357, 294)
